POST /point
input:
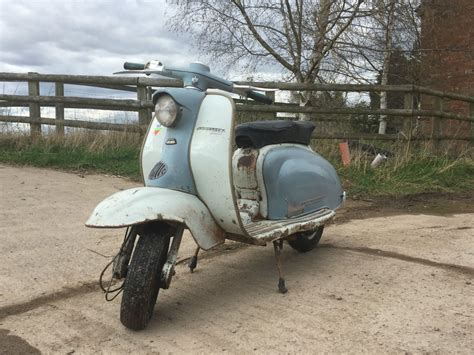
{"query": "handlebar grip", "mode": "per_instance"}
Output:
(133, 66)
(259, 97)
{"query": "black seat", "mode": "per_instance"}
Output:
(261, 133)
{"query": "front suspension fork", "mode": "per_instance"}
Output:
(168, 269)
(120, 264)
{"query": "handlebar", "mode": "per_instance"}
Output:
(259, 97)
(133, 66)
(197, 75)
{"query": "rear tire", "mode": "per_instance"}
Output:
(143, 280)
(306, 241)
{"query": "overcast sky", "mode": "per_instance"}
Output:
(86, 36)
(90, 37)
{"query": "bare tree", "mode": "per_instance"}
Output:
(389, 26)
(297, 35)
(385, 26)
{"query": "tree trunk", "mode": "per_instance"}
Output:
(386, 62)
(322, 20)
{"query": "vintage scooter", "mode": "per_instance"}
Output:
(272, 187)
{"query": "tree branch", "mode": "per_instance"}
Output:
(259, 38)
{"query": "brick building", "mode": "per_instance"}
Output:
(447, 52)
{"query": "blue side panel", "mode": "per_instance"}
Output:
(299, 181)
(174, 168)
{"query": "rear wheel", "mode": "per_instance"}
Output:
(143, 280)
(306, 241)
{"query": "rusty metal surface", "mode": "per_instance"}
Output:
(249, 211)
(143, 204)
(244, 165)
(270, 230)
(247, 162)
(245, 181)
(245, 239)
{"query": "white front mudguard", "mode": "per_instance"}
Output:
(143, 204)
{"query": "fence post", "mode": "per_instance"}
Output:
(471, 124)
(59, 91)
(35, 109)
(271, 94)
(408, 121)
(436, 124)
(142, 112)
(149, 97)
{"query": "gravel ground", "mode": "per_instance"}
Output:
(390, 276)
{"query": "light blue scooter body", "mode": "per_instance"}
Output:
(299, 181)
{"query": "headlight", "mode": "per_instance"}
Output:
(166, 110)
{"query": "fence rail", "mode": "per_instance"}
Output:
(143, 86)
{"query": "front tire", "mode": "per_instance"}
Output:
(306, 241)
(143, 280)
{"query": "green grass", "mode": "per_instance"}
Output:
(114, 154)
(123, 162)
(417, 175)
(408, 172)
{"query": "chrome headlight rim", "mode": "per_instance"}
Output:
(166, 110)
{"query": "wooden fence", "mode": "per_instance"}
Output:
(143, 86)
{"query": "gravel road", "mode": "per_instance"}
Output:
(390, 276)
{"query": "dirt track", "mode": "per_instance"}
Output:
(389, 277)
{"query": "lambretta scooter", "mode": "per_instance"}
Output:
(272, 187)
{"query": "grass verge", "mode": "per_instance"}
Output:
(409, 171)
(109, 153)
(418, 175)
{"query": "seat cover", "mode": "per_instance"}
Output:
(261, 133)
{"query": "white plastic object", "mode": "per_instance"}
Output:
(379, 159)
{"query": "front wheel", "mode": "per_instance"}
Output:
(143, 280)
(306, 241)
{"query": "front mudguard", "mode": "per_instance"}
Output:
(143, 204)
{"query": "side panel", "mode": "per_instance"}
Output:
(211, 159)
(299, 181)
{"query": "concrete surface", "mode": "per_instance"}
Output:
(395, 283)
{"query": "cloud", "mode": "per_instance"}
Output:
(86, 36)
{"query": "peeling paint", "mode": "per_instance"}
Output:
(136, 206)
(267, 230)
(247, 162)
